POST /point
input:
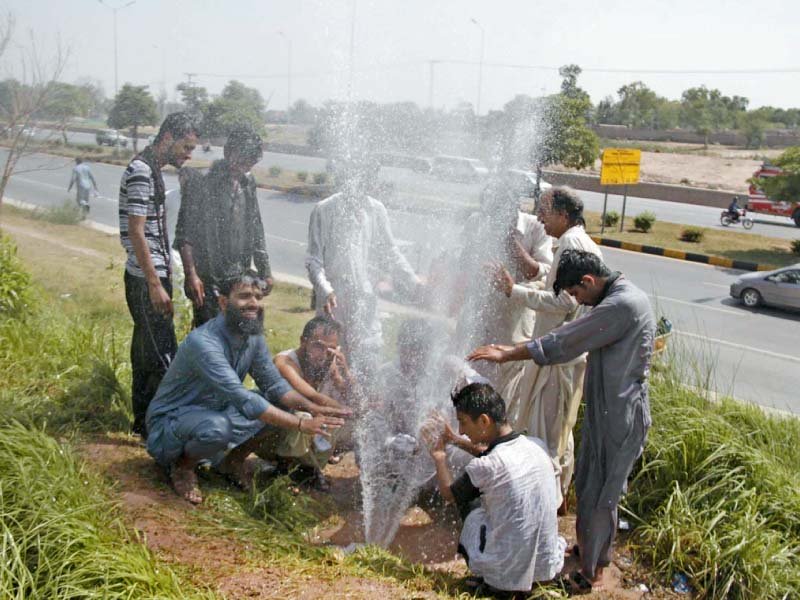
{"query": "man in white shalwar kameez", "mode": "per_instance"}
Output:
(351, 249)
(543, 400)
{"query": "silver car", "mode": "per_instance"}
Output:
(780, 288)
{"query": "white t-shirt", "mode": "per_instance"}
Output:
(519, 504)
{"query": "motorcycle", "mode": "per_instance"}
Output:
(726, 219)
(207, 147)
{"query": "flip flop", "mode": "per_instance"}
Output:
(576, 583)
(184, 482)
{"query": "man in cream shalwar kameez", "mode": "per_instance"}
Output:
(543, 400)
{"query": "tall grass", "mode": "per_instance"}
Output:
(61, 536)
(718, 495)
(14, 280)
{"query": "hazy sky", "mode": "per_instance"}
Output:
(161, 40)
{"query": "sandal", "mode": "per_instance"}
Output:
(236, 474)
(184, 482)
(576, 583)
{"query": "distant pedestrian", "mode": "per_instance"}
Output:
(148, 270)
(618, 334)
(83, 180)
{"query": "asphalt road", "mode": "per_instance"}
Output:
(750, 354)
(416, 187)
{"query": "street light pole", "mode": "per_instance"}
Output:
(480, 67)
(115, 9)
(288, 75)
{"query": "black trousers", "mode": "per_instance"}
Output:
(153, 346)
(209, 310)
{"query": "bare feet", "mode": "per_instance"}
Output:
(184, 482)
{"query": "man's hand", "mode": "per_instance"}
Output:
(320, 425)
(195, 290)
(266, 287)
(434, 437)
(496, 353)
(330, 411)
(501, 278)
(330, 305)
(159, 298)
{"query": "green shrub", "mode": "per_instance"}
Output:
(67, 214)
(611, 218)
(692, 234)
(320, 178)
(644, 221)
(795, 246)
(14, 280)
(302, 176)
(274, 171)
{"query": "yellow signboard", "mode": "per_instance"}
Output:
(620, 166)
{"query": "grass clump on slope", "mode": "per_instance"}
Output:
(61, 536)
(718, 494)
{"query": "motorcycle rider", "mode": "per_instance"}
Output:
(733, 209)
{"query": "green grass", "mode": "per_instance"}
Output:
(718, 496)
(61, 535)
(726, 243)
(66, 214)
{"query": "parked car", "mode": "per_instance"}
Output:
(417, 164)
(780, 288)
(111, 137)
(459, 168)
(525, 182)
(29, 131)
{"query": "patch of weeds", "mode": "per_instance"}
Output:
(66, 214)
(15, 281)
(693, 235)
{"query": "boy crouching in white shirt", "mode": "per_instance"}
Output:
(507, 496)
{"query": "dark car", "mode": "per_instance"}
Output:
(111, 137)
(780, 288)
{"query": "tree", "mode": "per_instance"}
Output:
(21, 101)
(64, 102)
(133, 107)
(785, 186)
(637, 105)
(237, 105)
(752, 125)
(567, 138)
(569, 82)
(195, 99)
(302, 112)
(707, 110)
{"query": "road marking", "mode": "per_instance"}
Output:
(738, 346)
(57, 187)
(720, 285)
(298, 222)
(283, 239)
(695, 305)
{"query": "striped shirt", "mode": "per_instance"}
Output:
(137, 197)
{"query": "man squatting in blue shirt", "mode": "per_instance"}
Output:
(202, 407)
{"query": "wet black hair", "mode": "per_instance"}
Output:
(478, 399)
(179, 125)
(574, 264)
(327, 324)
(244, 142)
(566, 200)
(236, 278)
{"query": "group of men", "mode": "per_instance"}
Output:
(548, 302)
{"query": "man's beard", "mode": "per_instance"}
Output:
(238, 323)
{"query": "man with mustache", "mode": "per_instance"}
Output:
(318, 370)
(202, 407)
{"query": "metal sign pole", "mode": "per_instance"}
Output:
(603, 218)
(624, 201)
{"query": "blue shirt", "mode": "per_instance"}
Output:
(209, 369)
